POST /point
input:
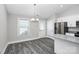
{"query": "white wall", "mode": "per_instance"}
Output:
(50, 25)
(42, 25)
(3, 27)
(12, 29)
(34, 29)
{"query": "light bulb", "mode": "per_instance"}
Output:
(32, 19)
(37, 19)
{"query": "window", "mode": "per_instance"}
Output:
(22, 26)
(42, 25)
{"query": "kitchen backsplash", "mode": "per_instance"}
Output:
(73, 29)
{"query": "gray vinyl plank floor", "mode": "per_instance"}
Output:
(38, 46)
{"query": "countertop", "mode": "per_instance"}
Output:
(66, 37)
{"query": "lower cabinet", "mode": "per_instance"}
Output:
(65, 47)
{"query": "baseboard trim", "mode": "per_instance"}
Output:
(28, 39)
(18, 41)
(3, 51)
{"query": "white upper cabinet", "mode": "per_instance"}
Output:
(71, 20)
(72, 23)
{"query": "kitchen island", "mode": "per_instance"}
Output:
(65, 44)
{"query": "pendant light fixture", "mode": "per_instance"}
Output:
(36, 16)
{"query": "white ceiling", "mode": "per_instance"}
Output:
(43, 10)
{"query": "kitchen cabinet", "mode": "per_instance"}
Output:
(77, 24)
(71, 23)
(64, 44)
(61, 27)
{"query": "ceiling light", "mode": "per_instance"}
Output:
(36, 16)
(37, 19)
(32, 19)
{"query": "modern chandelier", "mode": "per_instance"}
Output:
(36, 16)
